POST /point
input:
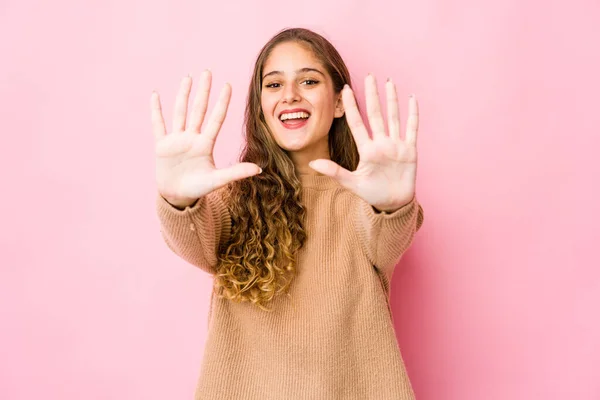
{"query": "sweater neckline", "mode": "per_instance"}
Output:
(317, 181)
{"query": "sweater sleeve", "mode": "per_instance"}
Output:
(196, 232)
(386, 236)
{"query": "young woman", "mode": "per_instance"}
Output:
(302, 235)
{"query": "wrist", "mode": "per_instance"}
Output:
(386, 210)
(389, 209)
(180, 203)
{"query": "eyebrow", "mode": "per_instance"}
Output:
(299, 71)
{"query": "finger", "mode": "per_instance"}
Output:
(158, 122)
(412, 123)
(236, 172)
(333, 170)
(218, 115)
(200, 102)
(181, 104)
(355, 122)
(393, 114)
(374, 107)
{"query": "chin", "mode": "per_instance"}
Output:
(294, 146)
(293, 141)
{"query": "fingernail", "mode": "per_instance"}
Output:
(260, 170)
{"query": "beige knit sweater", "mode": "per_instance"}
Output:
(334, 339)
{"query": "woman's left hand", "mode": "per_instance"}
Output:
(386, 173)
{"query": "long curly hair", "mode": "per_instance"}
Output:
(258, 261)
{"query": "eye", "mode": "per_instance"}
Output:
(312, 82)
(272, 85)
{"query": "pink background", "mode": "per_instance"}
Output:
(498, 298)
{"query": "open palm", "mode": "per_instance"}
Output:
(386, 173)
(185, 167)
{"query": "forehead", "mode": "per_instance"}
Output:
(290, 56)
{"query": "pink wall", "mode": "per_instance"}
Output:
(497, 299)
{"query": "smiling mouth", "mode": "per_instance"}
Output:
(294, 120)
(294, 123)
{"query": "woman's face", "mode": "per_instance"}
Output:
(298, 101)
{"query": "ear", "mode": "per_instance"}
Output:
(339, 106)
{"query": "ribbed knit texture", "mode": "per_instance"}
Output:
(334, 339)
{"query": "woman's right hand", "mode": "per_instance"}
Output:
(185, 168)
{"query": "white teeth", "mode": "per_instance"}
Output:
(295, 115)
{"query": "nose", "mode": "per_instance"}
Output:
(290, 93)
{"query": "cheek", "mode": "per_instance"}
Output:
(323, 102)
(267, 106)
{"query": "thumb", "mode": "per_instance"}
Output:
(333, 170)
(236, 172)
